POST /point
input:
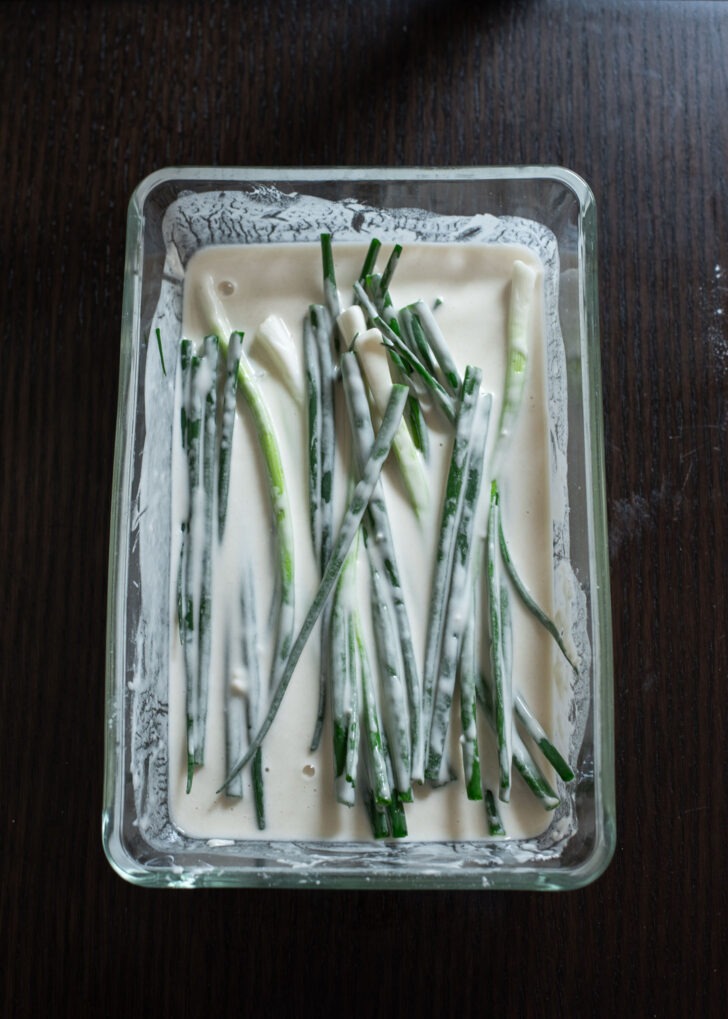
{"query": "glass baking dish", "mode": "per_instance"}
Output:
(168, 221)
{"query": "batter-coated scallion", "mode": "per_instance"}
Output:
(251, 662)
(502, 702)
(445, 542)
(352, 747)
(414, 337)
(532, 775)
(528, 599)
(522, 289)
(209, 457)
(323, 327)
(373, 729)
(397, 817)
(229, 402)
(234, 728)
(394, 704)
(185, 355)
(534, 729)
(371, 259)
(268, 441)
(523, 762)
(495, 825)
(418, 426)
(423, 317)
(389, 269)
(193, 564)
(161, 351)
(350, 525)
(274, 347)
(313, 404)
(382, 302)
(375, 366)
(415, 419)
(387, 820)
(242, 699)
(181, 586)
(214, 314)
(460, 590)
(353, 730)
(468, 675)
(363, 437)
(412, 363)
(331, 293)
(378, 815)
(343, 671)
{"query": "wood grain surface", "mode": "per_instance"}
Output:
(630, 95)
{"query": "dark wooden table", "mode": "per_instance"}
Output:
(630, 95)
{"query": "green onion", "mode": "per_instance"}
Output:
(323, 327)
(523, 762)
(331, 293)
(522, 288)
(388, 273)
(538, 735)
(268, 441)
(193, 565)
(414, 337)
(252, 667)
(468, 675)
(349, 527)
(528, 599)
(446, 537)
(363, 437)
(209, 456)
(424, 320)
(456, 605)
(393, 342)
(394, 704)
(246, 702)
(214, 314)
(229, 403)
(313, 403)
(161, 352)
(323, 330)
(343, 672)
(380, 782)
(375, 367)
(502, 694)
(495, 825)
(371, 259)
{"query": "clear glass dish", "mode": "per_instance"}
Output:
(139, 837)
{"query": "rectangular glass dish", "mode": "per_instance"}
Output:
(172, 215)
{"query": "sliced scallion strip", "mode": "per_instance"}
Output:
(425, 320)
(522, 288)
(528, 599)
(209, 458)
(456, 609)
(495, 825)
(502, 703)
(229, 402)
(523, 762)
(448, 525)
(349, 527)
(468, 673)
(534, 729)
(331, 293)
(363, 438)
